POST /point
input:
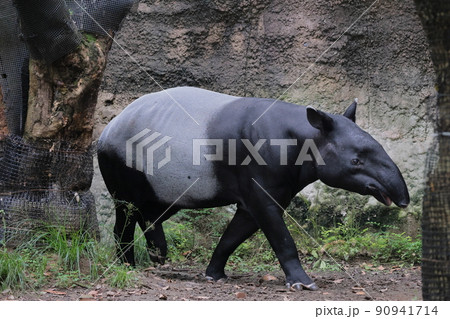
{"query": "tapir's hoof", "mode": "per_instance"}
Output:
(211, 279)
(301, 286)
(157, 258)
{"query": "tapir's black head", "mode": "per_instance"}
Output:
(354, 160)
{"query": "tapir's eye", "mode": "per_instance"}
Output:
(356, 162)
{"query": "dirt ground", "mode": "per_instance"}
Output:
(367, 282)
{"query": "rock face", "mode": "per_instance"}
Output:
(294, 50)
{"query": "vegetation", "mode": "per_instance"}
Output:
(64, 259)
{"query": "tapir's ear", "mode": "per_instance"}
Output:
(318, 119)
(351, 111)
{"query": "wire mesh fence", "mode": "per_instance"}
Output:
(40, 186)
(47, 182)
(435, 230)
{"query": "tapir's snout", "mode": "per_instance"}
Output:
(405, 202)
(403, 205)
(393, 191)
(399, 191)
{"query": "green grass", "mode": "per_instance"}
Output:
(12, 270)
(122, 276)
(347, 243)
(55, 256)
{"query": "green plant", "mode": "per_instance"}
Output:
(392, 246)
(12, 270)
(70, 247)
(347, 242)
(299, 209)
(35, 264)
(90, 38)
(67, 279)
(122, 276)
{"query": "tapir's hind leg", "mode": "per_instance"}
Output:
(156, 241)
(124, 234)
(241, 227)
(151, 217)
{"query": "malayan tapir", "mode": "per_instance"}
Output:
(193, 148)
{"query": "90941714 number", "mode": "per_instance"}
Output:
(406, 310)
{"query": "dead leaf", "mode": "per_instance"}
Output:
(166, 288)
(86, 298)
(93, 293)
(357, 288)
(338, 281)
(54, 292)
(241, 295)
(380, 268)
(202, 297)
(162, 297)
(360, 293)
(110, 293)
(269, 277)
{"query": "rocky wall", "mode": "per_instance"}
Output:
(295, 50)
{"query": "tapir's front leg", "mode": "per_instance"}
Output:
(241, 227)
(268, 215)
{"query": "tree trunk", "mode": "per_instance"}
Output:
(435, 17)
(63, 95)
(47, 171)
(3, 123)
(50, 169)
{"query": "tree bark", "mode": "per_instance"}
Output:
(435, 17)
(63, 95)
(49, 168)
(3, 124)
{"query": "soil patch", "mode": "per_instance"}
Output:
(171, 282)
